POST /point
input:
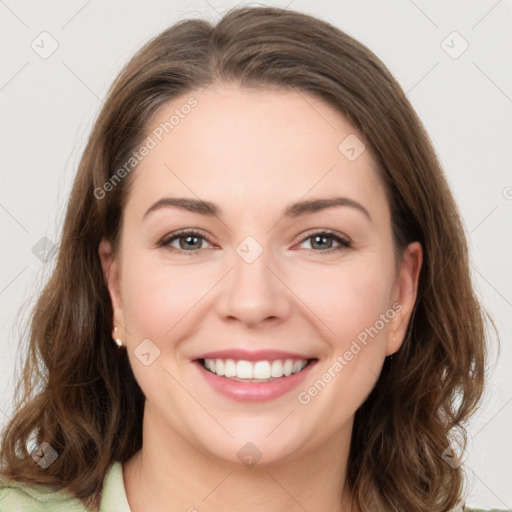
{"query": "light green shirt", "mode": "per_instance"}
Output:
(21, 497)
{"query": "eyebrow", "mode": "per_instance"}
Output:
(292, 211)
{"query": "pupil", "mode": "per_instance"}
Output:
(317, 240)
(188, 239)
(317, 237)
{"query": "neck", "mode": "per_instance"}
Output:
(170, 474)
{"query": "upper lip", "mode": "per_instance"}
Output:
(251, 355)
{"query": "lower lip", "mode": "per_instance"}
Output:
(254, 391)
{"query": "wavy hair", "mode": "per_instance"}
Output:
(78, 390)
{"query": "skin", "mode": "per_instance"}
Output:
(252, 153)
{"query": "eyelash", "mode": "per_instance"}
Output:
(344, 243)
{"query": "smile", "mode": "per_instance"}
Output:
(246, 376)
(254, 371)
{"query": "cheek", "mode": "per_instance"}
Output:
(143, 301)
(344, 298)
(347, 298)
(157, 298)
(160, 304)
(353, 308)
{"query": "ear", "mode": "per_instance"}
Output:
(111, 274)
(405, 293)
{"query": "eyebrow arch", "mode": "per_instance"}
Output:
(191, 205)
(292, 211)
(316, 205)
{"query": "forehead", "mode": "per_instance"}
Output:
(236, 145)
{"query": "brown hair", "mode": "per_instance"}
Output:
(80, 394)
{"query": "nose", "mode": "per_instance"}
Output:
(254, 293)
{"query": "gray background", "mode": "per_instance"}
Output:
(465, 101)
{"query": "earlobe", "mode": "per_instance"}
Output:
(407, 290)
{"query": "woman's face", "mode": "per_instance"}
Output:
(259, 288)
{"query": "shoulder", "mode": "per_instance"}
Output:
(481, 510)
(24, 497)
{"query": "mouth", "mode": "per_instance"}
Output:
(253, 377)
(254, 371)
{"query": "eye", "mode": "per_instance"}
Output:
(191, 241)
(322, 241)
(188, 241)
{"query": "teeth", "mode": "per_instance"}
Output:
(259, 370)
(277, 369)
(297, 367)
(244, 370)
(262, 370)
(219, 367)
(229, 368)
(287, 367)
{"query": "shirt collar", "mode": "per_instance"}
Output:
(114, 495)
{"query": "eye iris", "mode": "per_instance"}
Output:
(315, 238)
(197, 244)
(194, 241)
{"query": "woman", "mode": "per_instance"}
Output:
(262, 295)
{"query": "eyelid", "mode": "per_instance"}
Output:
(170, 237)
(344, 241)
(324, 231)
